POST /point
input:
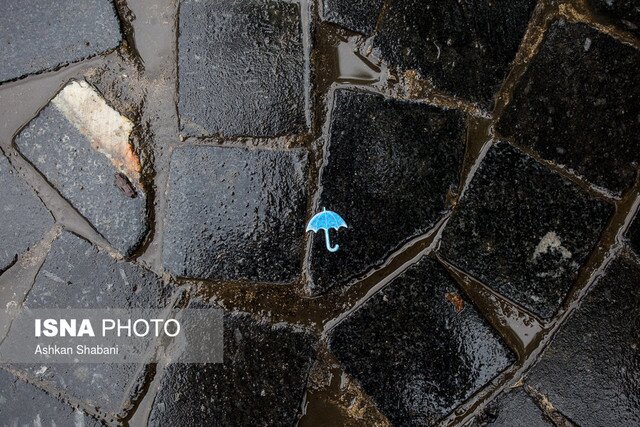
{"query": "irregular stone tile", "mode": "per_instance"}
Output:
(235, 214)
(81, 146)
(577, 105)
(514, 408)
(591, 370)
(418, 347)
(75, 275)
(241, 68)
(360, 16)
(24, 404)
(25, 220)
(464, 47)
(523, 230)
(624, 13)
(36, 37)
(390, 166)
(262, 380)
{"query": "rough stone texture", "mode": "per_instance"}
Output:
(236, 214)
(523, 230)
(241, 68)
(514, 408)
(390, 166)
(591, 370)
(623, 13)
(62, 142)
(77, 275)
(360, 16)
(577, 105)
(23, 404)
(465, 47)
(35, 37)
(414, 351)
(25, 220)
(633, 234)
(261, 382)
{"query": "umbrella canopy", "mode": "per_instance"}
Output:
(326, 220)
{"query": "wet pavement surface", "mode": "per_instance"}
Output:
(360, 16)
(25, 218)
(625, 13)
(591, 369)
(263, 378)
(591, 101)
(515, 408)
(169, 154)
(77, 275)
(419, 347)
(35, 37)
(241, 68)
(96, 170)
(389, 168)
(24, 404)
(245, 209)
(523, 230)
(464, 47)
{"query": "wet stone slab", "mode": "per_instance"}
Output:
(444, 41)
(81, 146)
(523, 230)
(75, 275)
(36, 37)
(241, 68)
(236, 214)
(22, 404)
(623, 13)
(515, 408)
(390, 167)
(25, 219)
(585, 117)
(262, 380)
(590, 372)
(359, 16)
(418, 347)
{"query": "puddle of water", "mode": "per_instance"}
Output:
(353, 67)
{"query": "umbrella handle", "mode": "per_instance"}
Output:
(328, 243)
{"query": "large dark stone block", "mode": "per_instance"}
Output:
(75, 275)
(236, 214)
(591, 370)
(262, 380)
(360, 16)
(23, 404)
(389, 168)
(241, 68)
(418, 347)
(523, 230)
(464, 47)
(81, 146)
(25, 220)
(37, 35)
(577, 105)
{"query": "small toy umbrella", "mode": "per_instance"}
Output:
(326, 220)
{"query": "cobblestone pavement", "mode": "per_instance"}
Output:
(485, 155)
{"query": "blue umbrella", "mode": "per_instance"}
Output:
(326, 220)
